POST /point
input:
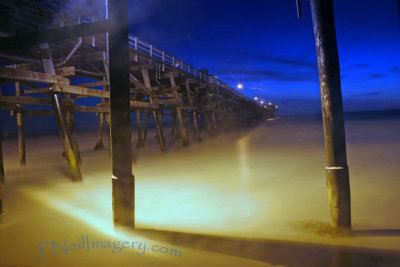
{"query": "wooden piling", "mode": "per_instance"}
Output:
(196, 127)
(174, 122)
(2, 175)
(123, 182)
(160, 137)
(208, 124)
(69, 113)
(2, 179)
(179, 111)
(337, 173)
(140, 141)
(108, 126)
(20, 125)
(214, 119)
(70, 154)
(146, 125)
(99, 144)
(157, 123)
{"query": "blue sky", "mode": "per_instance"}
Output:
(263, 45)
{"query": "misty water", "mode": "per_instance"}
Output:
(232, 200)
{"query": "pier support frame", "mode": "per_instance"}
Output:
(337, 173)
(123, 181)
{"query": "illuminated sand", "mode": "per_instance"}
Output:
(248, 184)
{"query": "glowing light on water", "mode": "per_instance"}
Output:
(243, 153)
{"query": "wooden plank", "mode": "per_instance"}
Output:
(72, 89)
(24, 100)
(139, 67)
(91, 109)
(66, 71)
(167, 101)
(140, 104)
(38, 112)
(93, 84)
(31, 76)
(35, 91)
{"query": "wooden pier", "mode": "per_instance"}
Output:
(47, 47)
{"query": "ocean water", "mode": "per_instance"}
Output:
(232, 200)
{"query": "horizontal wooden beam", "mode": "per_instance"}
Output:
(35, 91)
(167, 101)
(38, 112)
(71, 89)
(91, 109)
(31, 76)
(139, 67)
(24, 100)
(139, 104)
(66, 71)
(93, 84)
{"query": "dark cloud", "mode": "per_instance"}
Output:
(376, 76)
(395, 69)
(296, 62)
(356, 66)
(263, 75)
(373, 93)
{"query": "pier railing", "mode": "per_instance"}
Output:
(161, 56)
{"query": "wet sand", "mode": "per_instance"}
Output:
(232, 200)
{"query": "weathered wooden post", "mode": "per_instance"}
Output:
(20, 125)
(179, 111)
(146, 125)
(2, 176)
(140, 141)
(2, 179)
(156, 117)
(69, 114)
(123, 181)
(70, 153)
(337, 173)
(99, 144)
(1, 199)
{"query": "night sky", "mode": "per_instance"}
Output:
(263, 45)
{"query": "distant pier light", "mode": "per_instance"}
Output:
(262, 102)
(255, 98)
(270, 103)
(241, 87)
